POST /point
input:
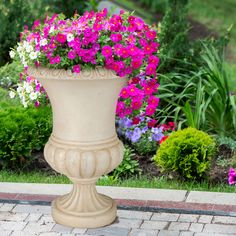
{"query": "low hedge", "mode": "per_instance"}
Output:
(22, 131)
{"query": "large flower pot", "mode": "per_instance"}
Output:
(83, 144)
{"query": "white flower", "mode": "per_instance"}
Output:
(29, 48)
(25, 104)
(33, 96)
(12, 94)
(19, 48)
(12, 54)
(51, 30)
(43, 42)
(24, 63)
(33, 55)
(70, 37)
(28, 88)
(19, 89)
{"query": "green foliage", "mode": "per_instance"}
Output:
(14, 15)
(231, 143)
(145, 147)
(174, 42)
(9, 74)
(187, 152)
(200, 97)
(68, 8)
(22, 131)
(128, 167)
(155, 6)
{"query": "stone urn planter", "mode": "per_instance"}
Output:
(83, 144)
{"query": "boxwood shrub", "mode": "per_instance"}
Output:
(187, 152)
(22, 131)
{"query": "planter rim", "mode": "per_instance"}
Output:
(95, 74)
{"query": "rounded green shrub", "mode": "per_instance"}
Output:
(187, 152)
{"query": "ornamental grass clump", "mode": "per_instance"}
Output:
(187, 152)
(122, 43)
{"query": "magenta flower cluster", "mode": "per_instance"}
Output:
(123, 43)
(232, 176)
(136, 108)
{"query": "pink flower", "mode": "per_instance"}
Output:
(153, 100)
(133, 50)
(136, 104)
(148, 49)
(107, 51)
(109, 60)
(151, 123)
(116, 38)
(148, 90)
(136, 64)
(37, 104)
(232, 176)
(72, 55)
(117, 49)
(52, 61)
(76, 69)
(124, 52)
(151, 34)
(133, 90)
(143, 42)
(131, 39)
(61, 38)
(150, 110)
(153, 60)
(151, 69)
(124, 93)
(118, 65)
(120, 107)
(57, 59)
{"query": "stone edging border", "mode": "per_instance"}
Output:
(138, 205)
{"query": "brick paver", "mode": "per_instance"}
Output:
(36, 220)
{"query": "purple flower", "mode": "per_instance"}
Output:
(232, 176)
(136, 135)
(127, 122)
(157, 134)
(144, 130)
(128, 134)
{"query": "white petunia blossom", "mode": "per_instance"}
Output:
(12, 94)
(19, 89)
(12, 54)
(33, 96)
(70, 37)
(19, 48)
(51, 30)
(29, 48)
(33, 55)
(43, 42)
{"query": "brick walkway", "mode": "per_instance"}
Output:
(34, 220)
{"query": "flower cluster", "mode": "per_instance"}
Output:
(29, 91)
(135, 109)
(123, 43)
(232, 176)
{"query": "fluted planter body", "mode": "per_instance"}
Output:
(83, 144)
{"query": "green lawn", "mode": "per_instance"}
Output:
(218, 16)
(142, 182)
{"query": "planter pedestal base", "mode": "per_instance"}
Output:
(84, 207)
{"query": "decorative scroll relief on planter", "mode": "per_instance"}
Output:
(80, 161)
(91, 74)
